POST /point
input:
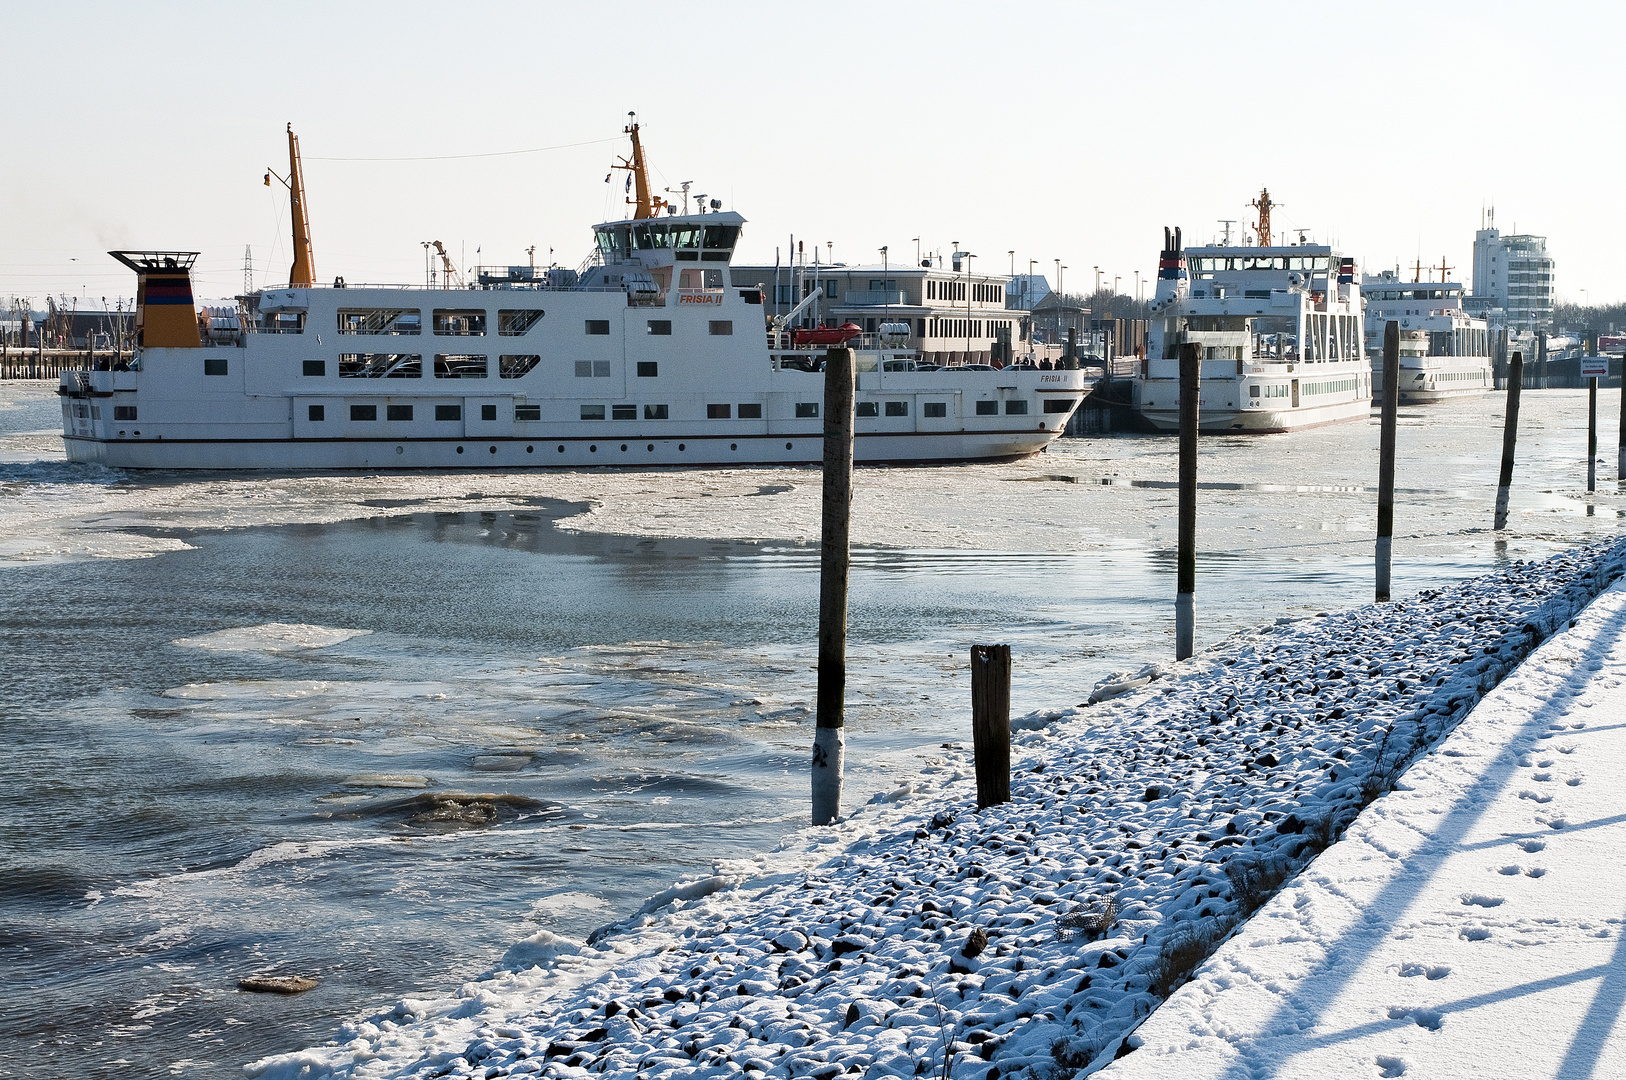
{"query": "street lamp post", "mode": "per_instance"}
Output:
(968, 257)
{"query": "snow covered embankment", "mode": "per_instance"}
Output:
(1026, 939)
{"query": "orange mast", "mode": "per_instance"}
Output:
(303, 271)
(647, 206)
(1263, 205)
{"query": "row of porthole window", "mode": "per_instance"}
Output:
(591, 449)
(747, 411)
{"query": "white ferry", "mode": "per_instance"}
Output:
(647, 355)
(1444, 352)
(1281, 334)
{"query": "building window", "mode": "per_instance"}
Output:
(806, 409)
(315, 367)
(722, 327)
(750, 410)
(316, 413)
(124, 412)
(1016, 408)
(527, 412)
(987, 408)
(718, 412)
(398, 412)
(364, 412)
(592, 412)
(655, 412)
(517, 365)
(934, 408)
(868, 408)
(623, 412)
(513, 323)
(660, 327)
(459, 366)
(897, 408)
(598, 327)
(214, 365)
(592, 369)
(448, 412)
(450, 322)
(488, 412)
(648, 369)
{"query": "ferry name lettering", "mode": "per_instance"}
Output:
(700, 298)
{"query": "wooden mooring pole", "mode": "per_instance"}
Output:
(1510, 435)
(1620, 462)
(991, 722)
(829, 748)
(1185, 588)
(1386, 458)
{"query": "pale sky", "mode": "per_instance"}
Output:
(1071, 131)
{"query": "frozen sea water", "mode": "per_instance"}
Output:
(246, 706)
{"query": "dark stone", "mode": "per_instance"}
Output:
(852, 1016)
(277, 984)
(596, 1034)
(974, 943)
(1269, 761)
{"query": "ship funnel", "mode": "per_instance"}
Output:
(1171, 269)
(164, 315)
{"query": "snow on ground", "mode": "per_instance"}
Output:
(1029, 939)
(1468, 924)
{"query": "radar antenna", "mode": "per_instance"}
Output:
(1264, 206)
(1227, 222)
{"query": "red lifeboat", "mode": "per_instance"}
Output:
(826, 335)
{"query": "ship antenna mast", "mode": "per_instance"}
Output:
(1227, 222)
(647, 206)
(1264, 206)
(1445, 271)
(303, 271)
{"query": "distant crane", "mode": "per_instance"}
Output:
(303, 271)
(454, 280)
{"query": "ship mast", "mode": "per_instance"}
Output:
(303, 271)
(648, 206)
(1263, 205)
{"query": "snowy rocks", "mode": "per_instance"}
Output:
(277, 984)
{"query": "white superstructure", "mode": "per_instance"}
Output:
(1281, 334)
(648, 356)
(1444, 352)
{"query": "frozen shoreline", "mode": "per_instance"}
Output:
(1184, 804)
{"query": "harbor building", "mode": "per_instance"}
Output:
(948, 315)
(1513, 274)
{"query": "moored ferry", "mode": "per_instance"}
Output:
(1281, 332)
(646, 355)
(1444, 352)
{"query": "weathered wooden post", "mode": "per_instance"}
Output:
(834, 563)
(1620, 463)
(1185, 588)
(1386, 457)
(1510, 434)
(991, 722)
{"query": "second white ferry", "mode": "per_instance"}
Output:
(1444, 352)
(646, 356)
(1280, 329)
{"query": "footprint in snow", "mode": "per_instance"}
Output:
(1475, 900)
(1511, 871)
(1536, 871)
(1423, 1018)
(1543, 777)
(1530, 847)
(1390, 1066)
(1431, 971)
(1534, 797)
(1574, 781)
(1474, 933)
(1567, 749)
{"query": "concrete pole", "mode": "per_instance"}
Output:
(1386, 458)
(829, 749)
(1510, 435)
(1185, 594)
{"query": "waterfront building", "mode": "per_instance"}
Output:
(1513, 273)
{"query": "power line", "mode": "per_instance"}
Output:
(464, 157)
